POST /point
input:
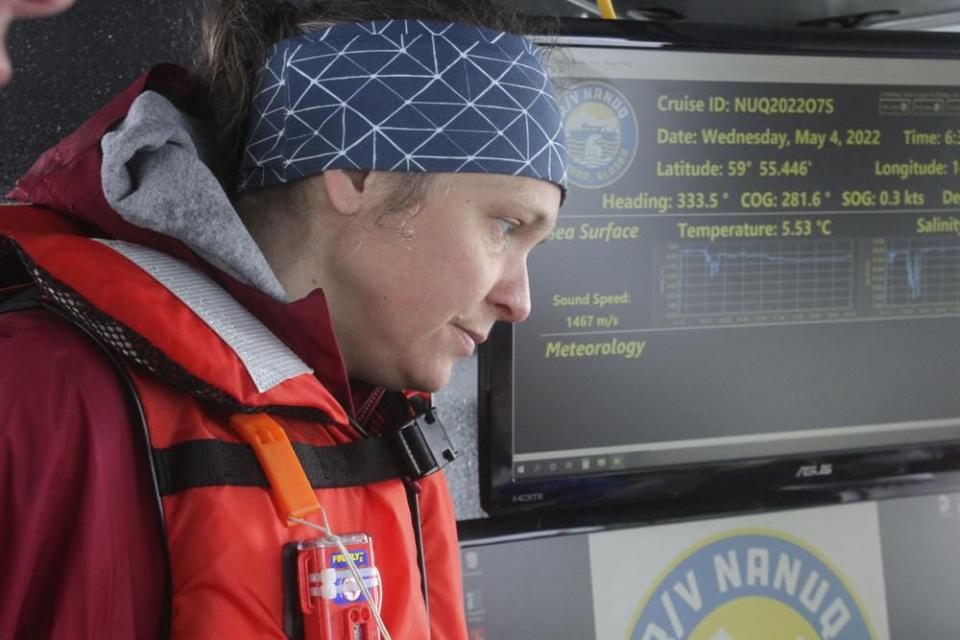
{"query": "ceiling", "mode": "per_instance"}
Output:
(838, 14)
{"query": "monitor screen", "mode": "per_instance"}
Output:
(758, 259)
(877, 571)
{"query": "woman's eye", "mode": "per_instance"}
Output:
(507, 225)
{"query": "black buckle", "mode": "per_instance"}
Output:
(424, 445)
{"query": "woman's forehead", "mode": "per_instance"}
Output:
(521, 194)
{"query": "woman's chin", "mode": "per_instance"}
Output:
(430, 378)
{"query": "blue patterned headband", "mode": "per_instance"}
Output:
(403, 95)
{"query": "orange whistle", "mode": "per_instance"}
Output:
(292, 493)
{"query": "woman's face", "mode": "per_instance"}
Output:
(416, 293)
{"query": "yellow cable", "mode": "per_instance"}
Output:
(606, 9)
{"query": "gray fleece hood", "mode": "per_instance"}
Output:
(155, 176)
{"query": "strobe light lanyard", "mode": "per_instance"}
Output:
(339, 587)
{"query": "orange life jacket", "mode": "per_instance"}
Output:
(224, 541)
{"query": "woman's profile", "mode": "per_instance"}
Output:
(225, 299)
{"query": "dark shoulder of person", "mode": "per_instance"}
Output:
(80, 529)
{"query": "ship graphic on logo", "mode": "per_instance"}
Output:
(753, 584)
(601, 133)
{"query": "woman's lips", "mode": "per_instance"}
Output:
(470, 338)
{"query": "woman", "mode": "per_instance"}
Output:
(280, 276)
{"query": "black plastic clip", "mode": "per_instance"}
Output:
(425, 446)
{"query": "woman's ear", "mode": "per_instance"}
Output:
(347, 189)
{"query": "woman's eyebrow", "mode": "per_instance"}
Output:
(533, 209)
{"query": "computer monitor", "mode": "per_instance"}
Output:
(753, 289)
(870, 570)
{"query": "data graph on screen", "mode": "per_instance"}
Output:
(739, 280)
(919, 271)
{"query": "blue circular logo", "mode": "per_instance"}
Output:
(601, 134)
(751, 586)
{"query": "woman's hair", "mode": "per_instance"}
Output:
(235, 34)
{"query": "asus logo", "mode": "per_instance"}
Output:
(528, 497)
(814, 470)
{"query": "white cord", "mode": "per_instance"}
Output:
(332, 537)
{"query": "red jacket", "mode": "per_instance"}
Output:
(224, 541)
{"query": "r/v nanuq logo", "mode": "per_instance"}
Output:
(754, 585)
(601, 133)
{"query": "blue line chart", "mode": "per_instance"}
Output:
(771, 277)
(939, 262)
(715, 260)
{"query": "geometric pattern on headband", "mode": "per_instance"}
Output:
(403, 95)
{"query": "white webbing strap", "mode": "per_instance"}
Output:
(268, 361)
